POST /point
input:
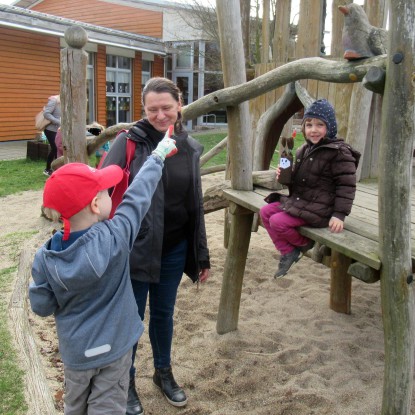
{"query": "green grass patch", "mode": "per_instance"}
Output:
(12, 400)
(209, 140)
(20, 175)
(17, 176)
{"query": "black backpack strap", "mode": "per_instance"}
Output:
(136, 133)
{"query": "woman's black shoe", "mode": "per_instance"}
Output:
(134, 406)
(163, 378)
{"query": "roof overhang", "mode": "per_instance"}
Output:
(24, 19)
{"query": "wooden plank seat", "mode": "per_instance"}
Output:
(353, 251)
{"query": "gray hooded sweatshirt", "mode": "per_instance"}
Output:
(87, 285)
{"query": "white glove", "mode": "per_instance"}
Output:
(166, 147)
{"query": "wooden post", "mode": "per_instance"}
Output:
(234, 268)
(281, 42)
(340, 283)
(309, 28)
(397, 135)
(240, 157)
(73, 95)
(265, 31)
(245, 24)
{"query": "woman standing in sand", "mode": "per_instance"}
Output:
(172, 239)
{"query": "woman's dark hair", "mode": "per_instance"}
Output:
(160, 85)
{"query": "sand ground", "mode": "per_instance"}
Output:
(291, 354)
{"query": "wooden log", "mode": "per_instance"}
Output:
(213, 198)
(303, 95)
(213, 169)
(374, 80)
(309, 35)
(239, 120)
(230, 296)
(340, 283)
(270, 126)
(265, 32)
(306, 68)
(374, 168)
(359, 133)
(395, 159)
(364, 272)
(36, 385)
(266, 179)
(282, 39)
(73, 95)
(240, 157)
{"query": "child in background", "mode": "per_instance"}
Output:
(322, 188)
(82, 277)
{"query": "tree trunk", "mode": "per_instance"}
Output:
(397, 135)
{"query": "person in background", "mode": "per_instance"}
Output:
(52, 112)
(81, 276)
(96, 129)
(322, 188)
(172, 238)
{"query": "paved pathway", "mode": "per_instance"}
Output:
(11, 150)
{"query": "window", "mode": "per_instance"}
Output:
(184, 56)
(90, 91)
(118, 85)
(145, 72)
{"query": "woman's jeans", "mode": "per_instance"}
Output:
(282, 228)
(53, 153)
(162, 298)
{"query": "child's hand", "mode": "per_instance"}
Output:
(336, 225)
(278, 172)
(165, 148)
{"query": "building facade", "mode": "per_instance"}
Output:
(128, 42)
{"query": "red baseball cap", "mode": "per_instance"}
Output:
(73, 186)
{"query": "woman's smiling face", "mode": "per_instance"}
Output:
(161, 110)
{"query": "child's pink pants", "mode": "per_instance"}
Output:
(282, 228)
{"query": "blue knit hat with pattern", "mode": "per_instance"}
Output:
(323, 110)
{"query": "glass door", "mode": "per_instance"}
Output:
(185, 84)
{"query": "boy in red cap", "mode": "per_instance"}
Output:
(82, 277)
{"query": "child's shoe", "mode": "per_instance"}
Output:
(309, 245)
(287, 261)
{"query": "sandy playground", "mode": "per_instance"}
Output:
(291, 354)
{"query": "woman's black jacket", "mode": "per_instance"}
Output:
(145, 257)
